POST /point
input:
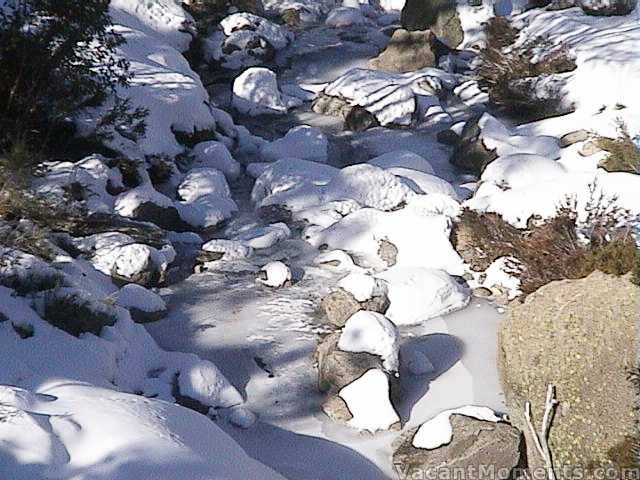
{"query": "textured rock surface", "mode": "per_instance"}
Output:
(470, 153)
(407, 51)
(439, 16)
(579, 335)
(475, 444)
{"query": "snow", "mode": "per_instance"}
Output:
(503, 272)
(402, 159)
(368, 401)
(372, 333)
(424, 183)
(231, 249)
(71, 430)
(419, 294)
(128, 202)
(303, 142)
(277, 36)
(256, 92)
(202, 382)
(264, 237)
(136, 296)
(342, 17)
(516, 171)
(277, 274)
(391, 97)
(216, 155)
(362, 286)
(438, 431)
(368, 185)
(206, 198)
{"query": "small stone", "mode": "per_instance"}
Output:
(589, 148)
(573, 137)
(482, 292)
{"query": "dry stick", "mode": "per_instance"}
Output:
(540, 439)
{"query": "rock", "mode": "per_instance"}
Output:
(580, 336)
(407, 52)
(574, 137)
(291, 17)
(359, 119)
(337, 369)
(388, 252)
(256, 92)
(336, 409)
(144, 305)
(607, 8)
(482, 292)
(475, 444)
(589, 148)
(470, 153)
(448, 137)
(439, 16)
(137, 263)
(340, 305)
(275, 275)
(328, 105)
(561, 4)
(167, 217)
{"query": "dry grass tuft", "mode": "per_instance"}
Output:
(624, 155)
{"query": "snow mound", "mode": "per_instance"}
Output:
(402, 159)
(369, 186)
(216, 155)
(368, 401)
(342, 17)
(70, 430)
(127, 203)
(327, 214)
(276, 274)
(438, 431)
(256, 92)
(264, 237)
(372, 333)
(362, 286)
(520, 170)
(140, 298)
(206, 198)
(496, 136)
(424, 183)
(303, 142)
(419, 294)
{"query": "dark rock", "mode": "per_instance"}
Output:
(448, 137)
(340, 305)
(439, 16)
(164, 217)
(359, 119)
(471, 154)
(561, 4)
(607, 8)
(141, 316)
(475, 444)
(573, 137)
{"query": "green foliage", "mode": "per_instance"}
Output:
(58, 57)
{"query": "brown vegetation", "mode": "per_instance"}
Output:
(624, 155)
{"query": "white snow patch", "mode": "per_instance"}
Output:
(256, 92)
(373, 333)
(277, 274)
(140, 298)
(216, 155)
(303, 142)
(362, 286)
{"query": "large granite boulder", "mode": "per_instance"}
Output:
(340, 305)
(407, 51)
(580, 336)
(475, 444)
(439, 16)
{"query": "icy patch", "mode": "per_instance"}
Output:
(419, 294)
(256, 92)
(372, 333)
(402, 159)
(368, 401)
(303, 142)
(438, 431)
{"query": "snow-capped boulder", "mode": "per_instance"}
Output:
(326, 214)
(274, 274)
(363, 287)
(463, 438)
(256, 92)
(342, 17)
(424, 183)
(389, 97)
(228, 249)
(303, 142)
(216, 155)
(133, 262)
(402, 159)
(264, 237)
(146, 204)
(368, 185)
(418, 294)
(143, 304)
(245, 40)
(607, 7)
(373, 333)
(206, 198)
(368, 400)
(519, 170)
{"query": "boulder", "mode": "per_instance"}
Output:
(470, 153)
(607, 8)
(328, 105)
(407, 51)
(439, 16)
(576, 136)
(167, 217)
(475, 444)
(580, 336)
(340, 305)
(359, 119)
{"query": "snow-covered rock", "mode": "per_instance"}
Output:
(342, 17)
(424, 183)
(372, 333)
(230, 249)
(264, 237)
(390, 97)
(278, 36)
(362, 286)
(216, 155)
(128, 203)
(256, 92)
(437, 431)
(303, 142)
(402, 159)
(368, 401)
(143, 304)
(368, 185)
(274, 274)
(418, 294)
(206, 198)
(520, 170)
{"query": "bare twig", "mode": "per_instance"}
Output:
(541, 438)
